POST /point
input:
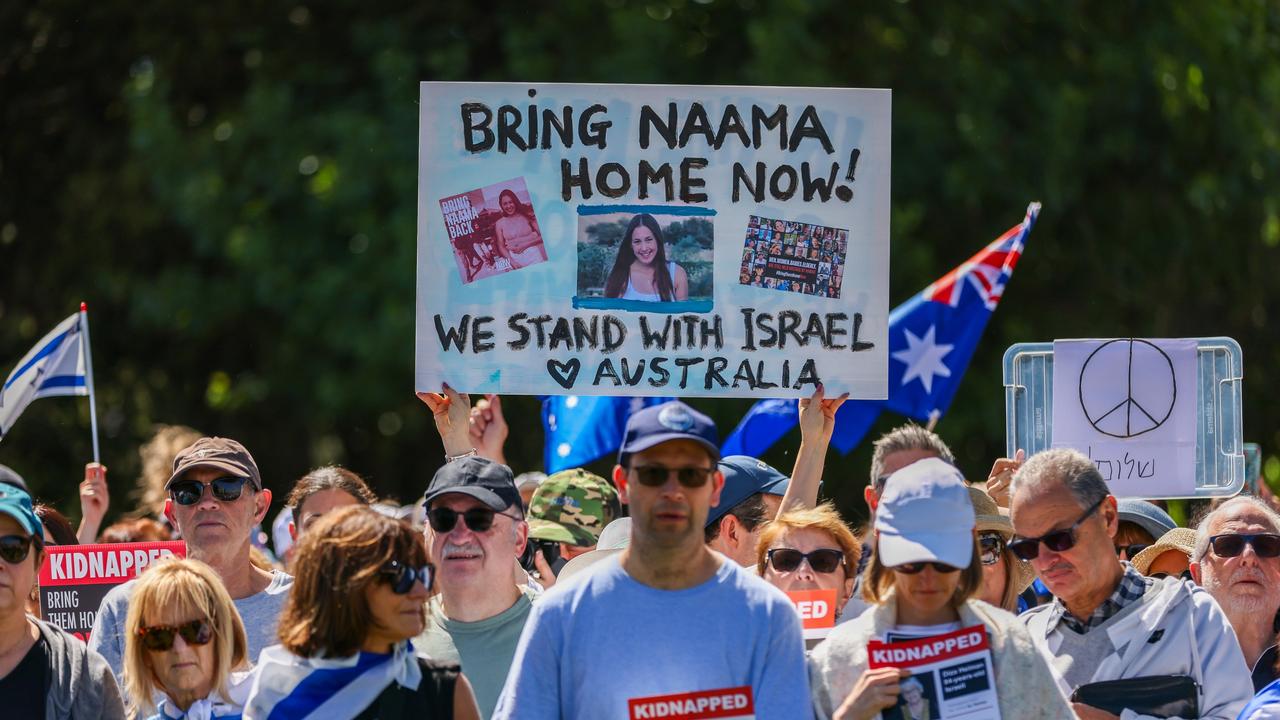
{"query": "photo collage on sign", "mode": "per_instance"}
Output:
(794, 256)
(493, 230)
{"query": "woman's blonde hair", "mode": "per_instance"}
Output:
(824, 518)
(878, 580)
(184, 587)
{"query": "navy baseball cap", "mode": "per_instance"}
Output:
(485, 480)
(669, 421)
(16, 503)
(743, 477)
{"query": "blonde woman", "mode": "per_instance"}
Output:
(183, 638)
(922, 579)
(809, 549)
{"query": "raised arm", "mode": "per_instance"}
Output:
(452, 413)
(817, 422)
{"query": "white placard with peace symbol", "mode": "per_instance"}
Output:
(1130, 405)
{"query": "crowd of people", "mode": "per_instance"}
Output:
(659, 591)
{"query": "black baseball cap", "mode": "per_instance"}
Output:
(9, 477)
(669, 421)
(489, 482)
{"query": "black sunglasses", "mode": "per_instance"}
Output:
(823, 560)
(402, 577)
(477, 519)
(1057, 541)
(1131, 550)
(1185, 575)
(159, 638)
(1266, 545)
(656, 475)
(223, 489)
(15, 548)
(917, 567)
(991, 545)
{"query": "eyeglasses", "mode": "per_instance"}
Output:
(1266, 545)
(15, 548)
(656, 475)
(917, 567)
(477, 519)
(1057, 541)
(992, 545)
(159, 638)
(1185, 575)
(402, 577)
(823, 560)
(223, 489)
(1131, 550)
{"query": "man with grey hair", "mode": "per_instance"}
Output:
(1107, 621)
(1237, 560)
(897, 449)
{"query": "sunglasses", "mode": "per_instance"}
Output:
(1266, 545)
(477, 519)
(1057, 541)
(1185, 575)
(656, 475)
(223, 489)
(159, 638)
(402, 577)
(824, 560)
(918, 567)
(1131, 550)
(991, 545)
(15, 548)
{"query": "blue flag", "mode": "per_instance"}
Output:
(932, 337)
(582, 428)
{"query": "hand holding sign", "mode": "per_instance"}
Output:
(818, 415)
(876, 690)
(452, 413)
(1000, 480)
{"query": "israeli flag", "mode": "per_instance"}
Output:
(55, 367)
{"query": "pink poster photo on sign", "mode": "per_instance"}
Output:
(493, 230)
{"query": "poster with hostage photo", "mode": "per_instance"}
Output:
(793, 257)
(648, 258)
(493, 230)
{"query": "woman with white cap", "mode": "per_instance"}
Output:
(922, 580)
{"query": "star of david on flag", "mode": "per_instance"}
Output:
(932, 337)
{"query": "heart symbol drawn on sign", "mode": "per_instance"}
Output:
(564, 373)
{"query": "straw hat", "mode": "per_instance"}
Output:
(1181, 539)
(990, 517)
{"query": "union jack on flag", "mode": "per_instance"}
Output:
(989, 269)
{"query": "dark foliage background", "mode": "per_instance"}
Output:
(231, 186)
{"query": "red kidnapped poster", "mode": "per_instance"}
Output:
(75, 578)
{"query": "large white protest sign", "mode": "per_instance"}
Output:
(951, 676)
(653, 240)
(1130, 405)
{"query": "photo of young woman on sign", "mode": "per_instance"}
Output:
(641, 270)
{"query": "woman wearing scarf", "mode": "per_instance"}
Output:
(922, 580)
(183, 639)
(361, 581)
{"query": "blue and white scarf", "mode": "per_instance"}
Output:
(213, 707)
(288, 686)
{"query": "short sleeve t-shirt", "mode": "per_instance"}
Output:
(23, 690)
(260, 613)
(483, 648)
(606, 647)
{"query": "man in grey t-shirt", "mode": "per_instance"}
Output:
(215, 499)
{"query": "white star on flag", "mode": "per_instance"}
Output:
(923, 358)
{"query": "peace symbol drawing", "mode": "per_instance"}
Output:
(1138, 404)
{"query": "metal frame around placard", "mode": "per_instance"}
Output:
(1028, 410)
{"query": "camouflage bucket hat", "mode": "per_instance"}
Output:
(572, 507)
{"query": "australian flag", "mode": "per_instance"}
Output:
(932, 337)
(581, 428)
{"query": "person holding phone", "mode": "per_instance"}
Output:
(566, 515)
